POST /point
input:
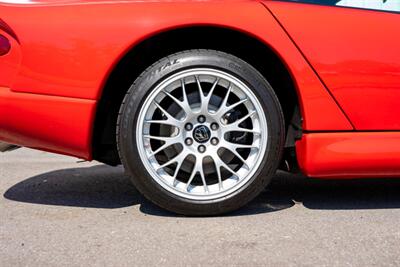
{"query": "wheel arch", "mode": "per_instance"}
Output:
(162, 43)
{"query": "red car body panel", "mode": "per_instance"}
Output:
(53, 77)
(356, 54)
(350, 155)
(58, 56)
(55, 124)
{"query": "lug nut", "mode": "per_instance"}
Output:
(214, 126)
(188, 141)
(202, 149)
(201, 119)
(214, 141)
(188, 126)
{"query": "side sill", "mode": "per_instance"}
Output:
(349, 155)
(56, 124)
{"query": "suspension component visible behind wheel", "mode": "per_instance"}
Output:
(201, 132)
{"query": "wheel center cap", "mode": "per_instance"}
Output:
(201, 134)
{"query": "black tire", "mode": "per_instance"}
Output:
(133, 102)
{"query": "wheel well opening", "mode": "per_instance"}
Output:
(149, 51)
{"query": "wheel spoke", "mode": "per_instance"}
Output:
(210, 94)
(220, 163)
(203, 177)
(237, 104)
(184, 105)
(203, 98)
(239, 129)
(167, 114)
(233, 151)
(177, 159)
(234, 126)
(158, 150)
(230, 145)
(223, 110)
(179, 162)
(239, 121)
(192, 175)
(217, 165)
(185, 98)
(201, 92)
(220, 184)
(224, 101)
(168, 141)
(162, 138)
(165, 122)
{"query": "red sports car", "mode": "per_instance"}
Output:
(202, 101)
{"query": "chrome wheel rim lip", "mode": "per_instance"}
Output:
(195, 193)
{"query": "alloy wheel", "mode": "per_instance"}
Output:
(201, 134)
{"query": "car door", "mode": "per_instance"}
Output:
(354, 47)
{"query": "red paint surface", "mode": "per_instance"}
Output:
(73, 55)
(56, 124)
(356, 52)
(350, 155)
(68, 50)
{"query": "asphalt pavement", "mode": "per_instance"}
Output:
(58, 211)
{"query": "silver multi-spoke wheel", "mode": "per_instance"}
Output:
(201, 134)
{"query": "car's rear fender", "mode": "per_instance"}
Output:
(68, 61)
